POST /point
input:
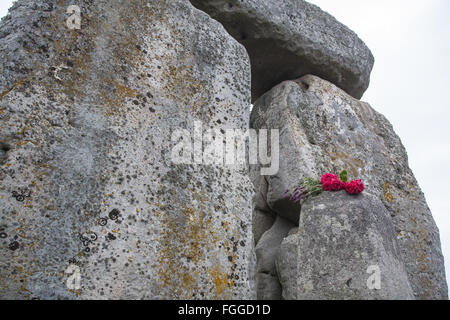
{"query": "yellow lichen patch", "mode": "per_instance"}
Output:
(20, 277)
(226, 226)
(22, 131)
(76, 292)
(354, 166)
(220, 280)
(186, 240)
(22, 142)
(114, 99)
(387, 193)
(5, 92)
(123, 91)
(186, 87)
(21, 233)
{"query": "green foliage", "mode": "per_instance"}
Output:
(313, 186)
(343, 176)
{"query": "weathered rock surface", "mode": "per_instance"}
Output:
(286, 264)
(268, 285)
(322, 129)
(340, 238)
(288, 39)
(87, 186)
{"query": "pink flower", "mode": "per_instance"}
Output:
(327, 177)
(333, 185)
(337, 185)
(354, 187)
(331, 182)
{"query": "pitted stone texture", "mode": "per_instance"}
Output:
(263, 218)
(322, 129)
(340, 237)
(267, 283)
(286, 265)
(86, 175)
(262, 221)
(287, 39)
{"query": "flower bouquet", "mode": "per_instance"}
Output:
(328, 182)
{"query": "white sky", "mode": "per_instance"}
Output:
(410, 84)
(4, 5)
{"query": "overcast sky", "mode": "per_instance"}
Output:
(410, 84)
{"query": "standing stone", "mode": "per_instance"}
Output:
(287, 39)
(286, 262)
(323, 129)
(343, 244)
(268, 285)
(88, 189)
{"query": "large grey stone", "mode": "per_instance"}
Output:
(263, 218)
(287, 39)
(323, 129)
(261, 222)
(268, 285)
(344, 243)
(86, 121)
(286, 263)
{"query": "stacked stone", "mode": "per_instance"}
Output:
(308, 72)
(94, 207)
